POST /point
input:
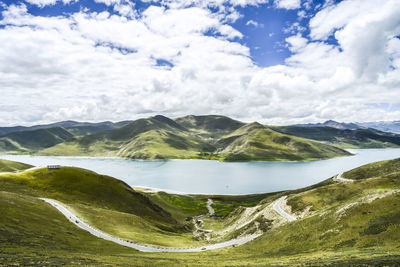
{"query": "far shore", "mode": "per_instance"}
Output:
(174, 159)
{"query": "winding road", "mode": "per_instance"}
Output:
(343, 180)
(143, 247)
(277, 208)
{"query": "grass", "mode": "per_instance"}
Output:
(78, 186)
(256, 143)
(195, 137)
(33, 140)
(374, 170)
(358, 138)
(350, 224)
(12, 166)
(133, 227)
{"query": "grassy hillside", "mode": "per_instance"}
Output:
(338, 224)
(211, 126)
(34, 140)
(154, 138)
(255, 142)
(74, 127)
(11, 166)
(359, 138)
(75, 185)
(195, 137)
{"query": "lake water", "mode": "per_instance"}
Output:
(213, 177)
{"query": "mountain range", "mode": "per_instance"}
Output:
(193, 137)
(384, 126)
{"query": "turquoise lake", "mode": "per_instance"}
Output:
(213, 177)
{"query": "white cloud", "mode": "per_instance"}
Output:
(254, 24)
(296, 42)
(109, 2)
(99, 66)
(42, 3)
(294, 28)
(288, 4)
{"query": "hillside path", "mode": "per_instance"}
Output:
(339, 178)
(277, 208)
(210, 209)
(141, 247)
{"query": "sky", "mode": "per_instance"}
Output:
(272, 61)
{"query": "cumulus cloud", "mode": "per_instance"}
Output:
(288, 4)
(42, 3)
(102, 66)
(296, 42)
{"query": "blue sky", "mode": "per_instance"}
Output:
(272, 61)
(264, 26)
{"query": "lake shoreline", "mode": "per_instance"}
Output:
(209, 177)
(173, 159)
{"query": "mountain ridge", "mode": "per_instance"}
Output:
(201, 137)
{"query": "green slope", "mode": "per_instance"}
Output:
(153, 138)
(11, 166)
(195, 137)
(255, 142)
(34, 139)
(339, 224)
(209, 126)
(103, 201)
(359, 138)
(75, 185)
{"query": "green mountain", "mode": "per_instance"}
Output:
(337, 223)
(359, 138)
(255, 142)
(154, 138)
(333, 124)
(34, 140)
(204, 137)
(86, 188)
(210, 126)
(11, 166)
(74, 127)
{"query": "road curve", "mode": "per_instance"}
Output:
(141, 247)
(277, 208)
(343, 180)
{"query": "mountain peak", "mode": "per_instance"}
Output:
(168, 121)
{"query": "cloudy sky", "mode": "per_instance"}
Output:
(272, 61)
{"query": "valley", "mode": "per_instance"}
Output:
(356, 220)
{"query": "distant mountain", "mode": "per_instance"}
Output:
(358, 138)
(333, 124)
(205, 137)
(255, 142)
(385, 126)
(74, 127)
(33, 140)
(210, 125)
(12, 166)
(153, 138)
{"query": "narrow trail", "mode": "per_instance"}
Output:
(142, 247)
(210, 209)
(339, 178)
(277, 208)
(198, 223)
